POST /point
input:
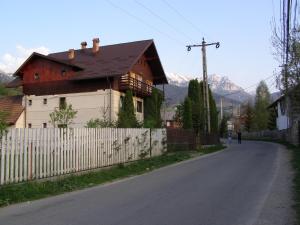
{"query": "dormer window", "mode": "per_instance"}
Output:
(36, 76)
(63, 73)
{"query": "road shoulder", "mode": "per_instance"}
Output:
(278, 206)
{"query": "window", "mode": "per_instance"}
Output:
(62, 103)
(139, 106)
(45, 101)
(29, 125)
(29, 102)
(36, 76)
(44, 125)
(63, 72)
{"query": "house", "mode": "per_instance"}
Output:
(287, 108)
(281, 108)
(93, 80)
(13, 111)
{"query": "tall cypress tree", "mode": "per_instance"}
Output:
(213, 113)
(187, 114)
(152, 105)
(126, 117)
(194, 95)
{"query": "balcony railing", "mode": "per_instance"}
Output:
(138, 87)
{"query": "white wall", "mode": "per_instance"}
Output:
(89, 105)
(282, 121)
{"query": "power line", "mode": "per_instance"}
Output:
(145, 22)
(184, 18)
(163, 20)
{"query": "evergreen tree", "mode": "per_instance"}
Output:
(249, 117)
(126, 117)
(152, 106)
(194, 95)
(262, 100)
(213, 114)
(187, 114)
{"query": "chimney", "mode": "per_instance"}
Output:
(83, 45)
(71, 54)
(96, 45)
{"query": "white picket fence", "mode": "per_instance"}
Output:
(28, 154)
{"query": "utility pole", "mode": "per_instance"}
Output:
(221, 108)
(205, 81)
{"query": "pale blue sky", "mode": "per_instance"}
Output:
(242, 27)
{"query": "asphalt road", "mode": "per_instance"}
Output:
(227, 188)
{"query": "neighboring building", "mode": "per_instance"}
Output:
(13, 109)
(93, 80)
(168, 118)
(282, 118)
(287, 108)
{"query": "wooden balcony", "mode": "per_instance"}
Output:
(139, 88)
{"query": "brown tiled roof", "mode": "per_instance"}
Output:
(114, 60)
(12, 105)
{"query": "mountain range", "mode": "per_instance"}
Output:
(221, 86)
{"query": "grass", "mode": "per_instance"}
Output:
(33, 190)
(211, 149)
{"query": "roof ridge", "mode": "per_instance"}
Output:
(123, 43)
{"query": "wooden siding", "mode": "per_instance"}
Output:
(47, 70)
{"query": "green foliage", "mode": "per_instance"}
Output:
(272, 119)
(152, 106)
(223, 127)
(126, 117)
(99, 123)
(213, 114)
(9, 91)
(62, 117)
(3, 124)
(187, 114)
(249, 116)
(178, 117)
(195, 96)
(262, 100)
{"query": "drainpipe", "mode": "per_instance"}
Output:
(110, 105)
(25, 111)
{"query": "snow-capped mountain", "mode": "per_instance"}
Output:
(179, 80)
(5, 77)
(220, 85)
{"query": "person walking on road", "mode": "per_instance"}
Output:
(239, 137)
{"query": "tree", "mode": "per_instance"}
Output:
(272, 119)
(249, 117)
(213, 114)
(3, 124)
(126, 117)
(262, 100)
(187, 114)
(195, 97)
(152, 106)
(178, 117)
(63, 116)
